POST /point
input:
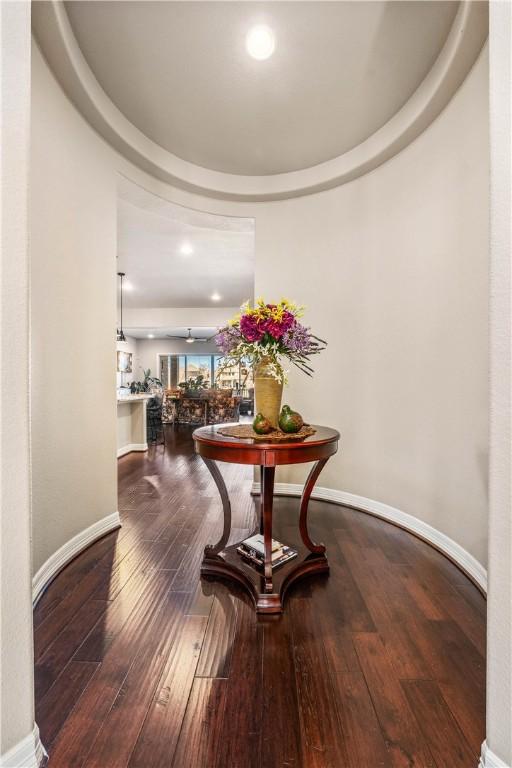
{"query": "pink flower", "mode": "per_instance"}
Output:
(288, 320)
(276, 328)
(250, 328)
(272, 327)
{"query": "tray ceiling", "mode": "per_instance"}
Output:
(172, 87)
(180, 73)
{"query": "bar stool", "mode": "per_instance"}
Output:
(155, 426)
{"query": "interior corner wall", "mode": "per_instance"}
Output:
(73, 320)
(394, 273)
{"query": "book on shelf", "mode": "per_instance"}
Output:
(287, 554)
(257, 543)
(258, 555)
(253, 551)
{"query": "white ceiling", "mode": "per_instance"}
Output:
(180, 73)
(151, 232)
(164, 333)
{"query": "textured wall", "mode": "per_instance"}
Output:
(73, 320)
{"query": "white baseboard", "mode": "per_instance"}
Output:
(27, 753)
(489, 760)
(69, 550)
(131, 447)
(453, 550)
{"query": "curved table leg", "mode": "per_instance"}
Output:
(267, 501)
(262, 472)
(304, 502)
(213, 549)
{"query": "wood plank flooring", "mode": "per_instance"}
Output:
(139, 664)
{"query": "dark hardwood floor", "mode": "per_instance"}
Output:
(140, 665)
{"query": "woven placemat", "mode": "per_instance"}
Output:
(246, 430)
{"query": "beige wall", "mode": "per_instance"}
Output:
(498, 749)
(394, 275)
(16, 654)
(73, 320)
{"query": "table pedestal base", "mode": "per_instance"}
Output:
(228, 564)
(267, 586)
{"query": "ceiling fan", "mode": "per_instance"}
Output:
(189, 338)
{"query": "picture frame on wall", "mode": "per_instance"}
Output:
(124, 362)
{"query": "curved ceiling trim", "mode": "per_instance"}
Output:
(57, 41)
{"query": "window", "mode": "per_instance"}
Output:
(175, 369)
(199, 365)
(181, 369)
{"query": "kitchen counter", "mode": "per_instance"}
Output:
(131, 423)
(132, 398)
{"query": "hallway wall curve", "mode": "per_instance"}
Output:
(73, 321)
(392, 268)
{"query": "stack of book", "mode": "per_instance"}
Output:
(253, 550)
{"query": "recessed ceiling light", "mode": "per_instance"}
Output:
(215, 296)
(260, 42)
(151, 335)
(186, 249)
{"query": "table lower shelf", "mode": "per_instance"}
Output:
(228, 564)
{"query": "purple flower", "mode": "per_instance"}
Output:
(228, 339)
(297, 339)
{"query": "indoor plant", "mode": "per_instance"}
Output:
(262, 336)
(193, 386)
(150, 384)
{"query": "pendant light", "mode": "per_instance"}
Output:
(120, 333)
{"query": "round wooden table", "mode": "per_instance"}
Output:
(267, 588)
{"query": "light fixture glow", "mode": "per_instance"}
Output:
(260, 42)
(151, 335)
(127, 286)
(190, 340)
(186, 249)
(215, 296)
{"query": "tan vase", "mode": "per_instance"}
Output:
(267, 392)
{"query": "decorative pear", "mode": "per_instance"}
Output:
(261, 425)
(290, 421)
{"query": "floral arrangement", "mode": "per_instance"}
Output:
(264, 334)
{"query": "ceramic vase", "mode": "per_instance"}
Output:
(268, 392)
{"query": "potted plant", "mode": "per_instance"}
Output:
(262, 336)
(194, 386)
(150, 384)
